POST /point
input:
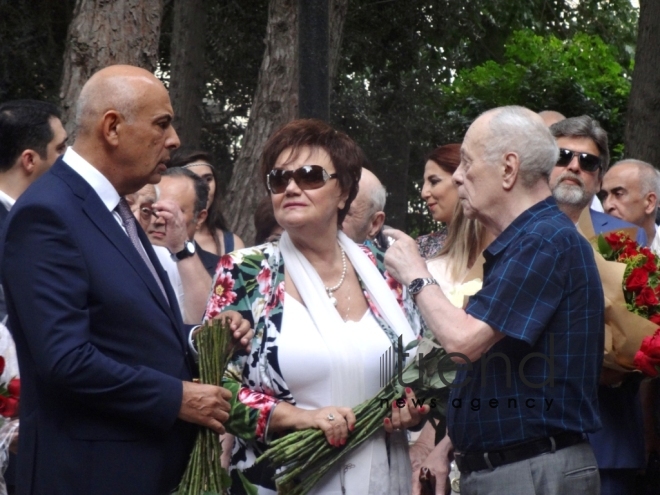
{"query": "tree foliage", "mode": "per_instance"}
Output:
(32, 39)
(400, 58)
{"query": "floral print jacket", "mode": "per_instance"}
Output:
(251, 281)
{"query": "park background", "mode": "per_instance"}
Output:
(399, 76)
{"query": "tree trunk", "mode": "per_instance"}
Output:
(104, 33)
(187, 69)
(275, 103)
(338, 10)
(643, 118)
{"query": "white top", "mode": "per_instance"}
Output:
(6, 200)
(655, 245)
(305, 363)
(596, 205)
(439, 268)
(172, 271)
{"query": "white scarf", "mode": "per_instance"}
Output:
(347, 373)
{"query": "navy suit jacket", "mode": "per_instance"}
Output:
(606, 223)
(102, 353)
(620, 443)
(3, 306)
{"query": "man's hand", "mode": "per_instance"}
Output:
(205, 405)
(241, 332)
(176, 233)
(438, 463)
(402, 258)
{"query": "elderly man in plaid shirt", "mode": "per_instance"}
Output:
(531, 340)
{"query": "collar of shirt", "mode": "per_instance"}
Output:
(6, 200)
(93, 177)
(655, 245)
(511, 232)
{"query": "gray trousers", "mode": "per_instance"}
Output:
(572, 470)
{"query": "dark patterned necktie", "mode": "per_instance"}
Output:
(128, 220)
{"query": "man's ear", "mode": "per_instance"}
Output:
(650, 202)
(29, 160)
(201, 218)
(377, 222)
(510, 168)
(111, 126)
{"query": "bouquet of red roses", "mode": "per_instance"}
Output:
(641, 291)
(9, 394)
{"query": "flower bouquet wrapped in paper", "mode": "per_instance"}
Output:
(629, 275)
(10, 391)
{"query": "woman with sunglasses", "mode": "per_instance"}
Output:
(212, 237)
(324, 312)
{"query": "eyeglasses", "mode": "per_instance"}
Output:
(307, 177)
(146, 213)
(587, 161)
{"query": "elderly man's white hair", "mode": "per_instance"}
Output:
(519, 130)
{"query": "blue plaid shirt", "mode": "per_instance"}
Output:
(542, 291)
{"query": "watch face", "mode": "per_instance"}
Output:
(190, 247)
(416, 285)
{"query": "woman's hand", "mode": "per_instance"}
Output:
(405, 413)
(335, 422)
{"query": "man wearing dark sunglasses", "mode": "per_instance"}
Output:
(583, 160)
(577, 178)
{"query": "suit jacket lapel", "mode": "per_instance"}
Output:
(106, 223)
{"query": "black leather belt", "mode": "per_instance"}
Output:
(478, 461)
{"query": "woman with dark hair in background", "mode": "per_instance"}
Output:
(440, 194)
(213, 235)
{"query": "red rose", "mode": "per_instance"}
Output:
(645, 364)
(655, 318)
(14, 387)
(615, 239)
(650, 265)
(637, 280)
(10, 408)
(628, 252)
(646, 298)
(2, 365)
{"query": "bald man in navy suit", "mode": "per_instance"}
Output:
(108, 401)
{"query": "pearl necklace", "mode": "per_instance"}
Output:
(330, 290)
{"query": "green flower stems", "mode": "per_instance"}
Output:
(304, 457)
(204, 475)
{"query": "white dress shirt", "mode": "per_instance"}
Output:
(6, 200)
(655, 245)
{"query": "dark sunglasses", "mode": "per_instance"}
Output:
(587, 161)
(307, 177)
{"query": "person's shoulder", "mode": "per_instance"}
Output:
(550, 224)
(268, 252)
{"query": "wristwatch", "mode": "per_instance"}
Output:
(419, 283)
(187, 251)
